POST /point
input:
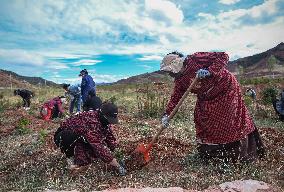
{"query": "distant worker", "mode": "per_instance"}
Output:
(93, 102)
(87, 136)
(87, 84)
(75, 93)
(53, 108)
(278, 105)
(224, 128)
(251, 93)
(26, 96)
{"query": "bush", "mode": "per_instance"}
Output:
(268, 94)
(248, 100)
(22, 128)
(151, 100)
(42, 136)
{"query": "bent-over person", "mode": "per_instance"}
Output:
(87, 136)
(224, 128)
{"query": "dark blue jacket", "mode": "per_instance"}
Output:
(87, 84)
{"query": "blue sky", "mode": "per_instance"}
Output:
(115, 39)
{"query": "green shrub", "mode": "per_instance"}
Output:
(4, 104)
(268, 94)
(248, 100)
(42, 136)
(151, 100)
(22, 128)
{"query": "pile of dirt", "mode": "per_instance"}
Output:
(166, 154)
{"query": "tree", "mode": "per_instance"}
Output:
(271, 62)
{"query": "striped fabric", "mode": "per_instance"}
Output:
(220, 115)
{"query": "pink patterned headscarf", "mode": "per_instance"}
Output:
(172, 63)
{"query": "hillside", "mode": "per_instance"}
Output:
(21, 81)
(7, 81)
(254, 66)
(146, 77)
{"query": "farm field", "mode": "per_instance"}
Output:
(29, 161)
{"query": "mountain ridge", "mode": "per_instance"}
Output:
(254, 66)
(10, 78)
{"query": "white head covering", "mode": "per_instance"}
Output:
(172, 63)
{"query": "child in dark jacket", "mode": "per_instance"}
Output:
(93, 102)
(26, 96)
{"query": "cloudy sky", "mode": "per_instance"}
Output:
(115, 39)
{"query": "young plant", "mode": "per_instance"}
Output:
(22, 128)
(42, 136)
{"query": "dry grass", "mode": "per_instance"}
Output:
(30, 163)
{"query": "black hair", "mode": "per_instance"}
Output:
(16, 91)
(85, 71)
(176, 53)
(65, 86)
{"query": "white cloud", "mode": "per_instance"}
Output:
(150, 58)
(106, 78)
(75, 30)
(17, 56)
(166, 8)
(228, 2)
(86, 62)
(76, 80)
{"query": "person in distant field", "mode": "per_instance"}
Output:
(93, 102)
(87, 84)
(53, 108)
(224, 128)
(26, 96)
(251, 93)
(87, 136)
(278, 105)
(75, 92)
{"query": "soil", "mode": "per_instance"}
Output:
(167, 155)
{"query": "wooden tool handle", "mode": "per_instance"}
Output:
(172, 113)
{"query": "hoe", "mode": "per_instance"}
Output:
(143, 149)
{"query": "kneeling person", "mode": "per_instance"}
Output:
(53, 108)
(87, 135)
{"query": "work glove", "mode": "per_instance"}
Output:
(202, 73)
(121, 171)
(165, 121)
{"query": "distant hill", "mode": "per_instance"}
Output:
(254, 66)
(157, 76)
(21, 81)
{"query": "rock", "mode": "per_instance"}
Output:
(234, 186)
(148, 189)
(247, 186)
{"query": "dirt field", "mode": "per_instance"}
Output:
(29, 161)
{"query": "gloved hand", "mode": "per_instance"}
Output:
(165, 121)
(121, 170)
(202, 73)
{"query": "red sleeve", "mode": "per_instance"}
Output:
(219, 62)
(110, 139)
(181, 85)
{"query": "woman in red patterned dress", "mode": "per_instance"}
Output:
(224, 128)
